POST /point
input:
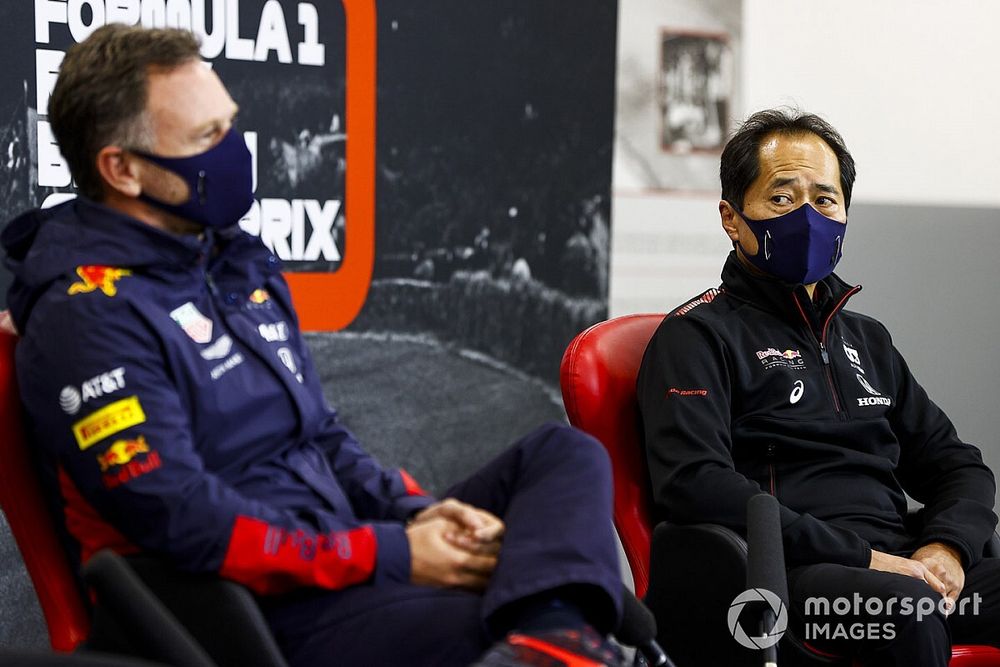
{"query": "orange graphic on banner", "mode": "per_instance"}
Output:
(331, 301)
(97, 277)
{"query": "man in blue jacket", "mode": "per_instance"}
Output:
(176, 411)
(768, 384)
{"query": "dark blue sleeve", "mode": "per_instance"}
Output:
(131, 477)
(376, 493)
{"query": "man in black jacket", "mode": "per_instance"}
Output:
(768, 384)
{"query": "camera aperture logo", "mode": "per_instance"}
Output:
(757, 595)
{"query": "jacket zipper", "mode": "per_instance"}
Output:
(821, 342)
(770, 467)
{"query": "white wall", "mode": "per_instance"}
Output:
(914, 87)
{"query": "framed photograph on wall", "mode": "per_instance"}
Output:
(695, 90)
(678, 94)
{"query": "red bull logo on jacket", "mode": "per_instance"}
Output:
(121, 452)
(125, 460)
(773, 357)
(97, 278)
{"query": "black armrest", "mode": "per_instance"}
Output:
(145, 625)
(695, 572)
(222, 616)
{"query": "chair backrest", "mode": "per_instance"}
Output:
(597, 376)
(30, 520)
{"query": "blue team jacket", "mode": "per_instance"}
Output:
(175, 409)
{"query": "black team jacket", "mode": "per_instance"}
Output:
(756, 387)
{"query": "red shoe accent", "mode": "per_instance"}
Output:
(571, 659)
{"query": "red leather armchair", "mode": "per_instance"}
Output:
(598, 376)
(30, 521)
(231, 631)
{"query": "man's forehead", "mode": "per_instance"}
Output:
(190, 94)
(783, 156)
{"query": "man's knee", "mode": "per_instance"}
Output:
(555, 444)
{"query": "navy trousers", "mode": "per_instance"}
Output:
(553, 490)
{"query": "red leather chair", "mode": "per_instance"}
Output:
(234, 632)
(598, 376)
(30, 521)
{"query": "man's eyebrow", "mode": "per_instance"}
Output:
(826, 187)
(781, 182)
(204, 127)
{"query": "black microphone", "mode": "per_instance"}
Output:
(638, 629)
(766, 563)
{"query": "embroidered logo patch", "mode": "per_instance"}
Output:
(97, 278)
(218, 349)
(195, 325)
(121, 452)
(72, 399)
(797, 390)
(288, 359)
(259, 297)
(773, 358)
(129, 471)
(674, 391)
(107, 421)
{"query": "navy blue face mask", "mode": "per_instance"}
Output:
(802, 246)
(220, 181)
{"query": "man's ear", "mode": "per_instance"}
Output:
(120, 171)
(730, 220)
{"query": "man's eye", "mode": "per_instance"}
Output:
(825, 201)
(781, 199)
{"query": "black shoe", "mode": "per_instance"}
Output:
(558, 648)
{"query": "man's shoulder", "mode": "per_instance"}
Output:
(704, 315)
(694, 303)
(860, 320)
(85, 300)
(711, 308)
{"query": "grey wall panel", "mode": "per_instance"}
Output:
(932, 276)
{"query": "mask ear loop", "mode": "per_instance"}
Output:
(836, 252)
(767, 245)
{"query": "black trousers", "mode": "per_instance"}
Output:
(846, 611)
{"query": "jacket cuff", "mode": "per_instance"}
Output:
(968, 555)
(404, 508)
(392, 555)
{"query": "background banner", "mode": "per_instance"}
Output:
(461, 173)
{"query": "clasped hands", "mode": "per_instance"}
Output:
(454, 545)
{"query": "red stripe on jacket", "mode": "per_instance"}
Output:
(268, 559)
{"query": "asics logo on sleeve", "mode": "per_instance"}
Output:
(797, 390)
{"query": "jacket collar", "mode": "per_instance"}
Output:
(786, 300)
(44, 245)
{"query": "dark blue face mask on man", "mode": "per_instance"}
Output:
(802, 246)
(220, 181)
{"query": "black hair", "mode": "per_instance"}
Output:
(740, 164)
